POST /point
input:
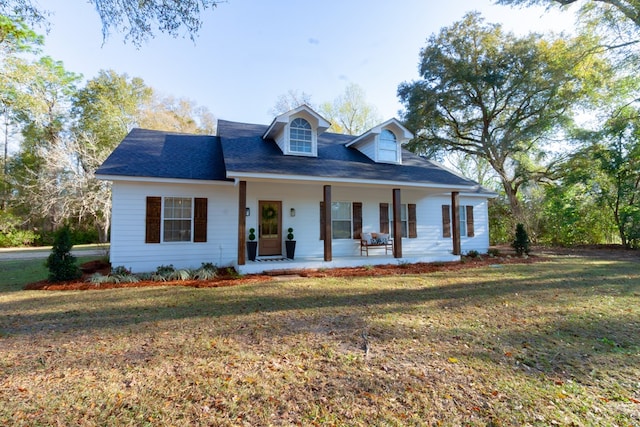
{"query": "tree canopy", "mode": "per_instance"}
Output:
(138, 20)
(629, 8)
(496, 96)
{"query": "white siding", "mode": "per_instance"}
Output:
(128, 248)
(480, 241)
(305, 199)
(129, 205)
(369, 149)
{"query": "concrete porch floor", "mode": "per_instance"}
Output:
(265, 264)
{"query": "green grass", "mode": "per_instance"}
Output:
(552, 343)
(14, 274)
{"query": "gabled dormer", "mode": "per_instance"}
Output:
(383, 143)
(296, 131)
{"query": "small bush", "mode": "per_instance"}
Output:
(493, 252)
(521, 241)
(208, 266)
(120, 271)
(98, 279)
(204, 273)
(181, 275)
(165, 269)
(473, 254)
(61, 264)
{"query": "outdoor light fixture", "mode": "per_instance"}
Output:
(292, 212)
(247, 211)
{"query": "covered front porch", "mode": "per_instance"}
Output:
(266, 264)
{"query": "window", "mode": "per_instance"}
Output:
(341, 207)
(300, 136)
(466, 221)
(179, 219)
(341, 220)
(403, 219)
(407, 219)
(387, 147)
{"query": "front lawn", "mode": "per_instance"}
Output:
(525, 344)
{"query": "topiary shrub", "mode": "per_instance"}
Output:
(61, 264)
(521, 241)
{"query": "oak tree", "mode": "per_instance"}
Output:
(499, 97)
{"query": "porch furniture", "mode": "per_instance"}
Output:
(375, 240)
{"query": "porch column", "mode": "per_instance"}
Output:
(397, 224)
(242, 221)
(328, 255)
(455, 222)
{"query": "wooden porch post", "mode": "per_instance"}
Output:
(328, 255)
(242, 221)
(455, 222)
(397, 224)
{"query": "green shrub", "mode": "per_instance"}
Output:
(473, 254)
(61, 264)
(11, 235)
(521, 241)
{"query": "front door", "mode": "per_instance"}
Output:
(269, 229)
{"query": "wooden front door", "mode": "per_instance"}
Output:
(270, 228)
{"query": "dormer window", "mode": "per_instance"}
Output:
(387, 147)
(383, 143)
(300, 136)
(296, 131)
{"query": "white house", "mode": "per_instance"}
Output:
(187, 199)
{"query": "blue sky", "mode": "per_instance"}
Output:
(249, 52)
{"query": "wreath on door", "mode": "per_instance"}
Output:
(269, 213)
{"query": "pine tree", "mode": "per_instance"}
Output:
(61, 264)
(521, 242)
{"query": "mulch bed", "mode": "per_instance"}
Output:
(227, 277)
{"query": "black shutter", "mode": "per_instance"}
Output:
(357, 219)
(200, 220)
(446, 221)
(153, 219)
(322, 220)
(412, 222)
(384, 218)
(470, 230)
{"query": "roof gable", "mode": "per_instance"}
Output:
(278, 123)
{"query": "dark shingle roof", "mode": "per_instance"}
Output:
(240, 149)
(158, 154)
(246, 152)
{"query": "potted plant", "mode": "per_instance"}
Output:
(252, 245)
(290, 244)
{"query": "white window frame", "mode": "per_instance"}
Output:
(404, 219)
(462, 209)
(334, 219)
(300, 142)
(385, 153)
(166, 219)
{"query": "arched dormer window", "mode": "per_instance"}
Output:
(387, 147)
(300, 136)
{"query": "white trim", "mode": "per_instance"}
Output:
(283, 119)
(162, 180)
(163, 219)
(406, 134)
(364, 182)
